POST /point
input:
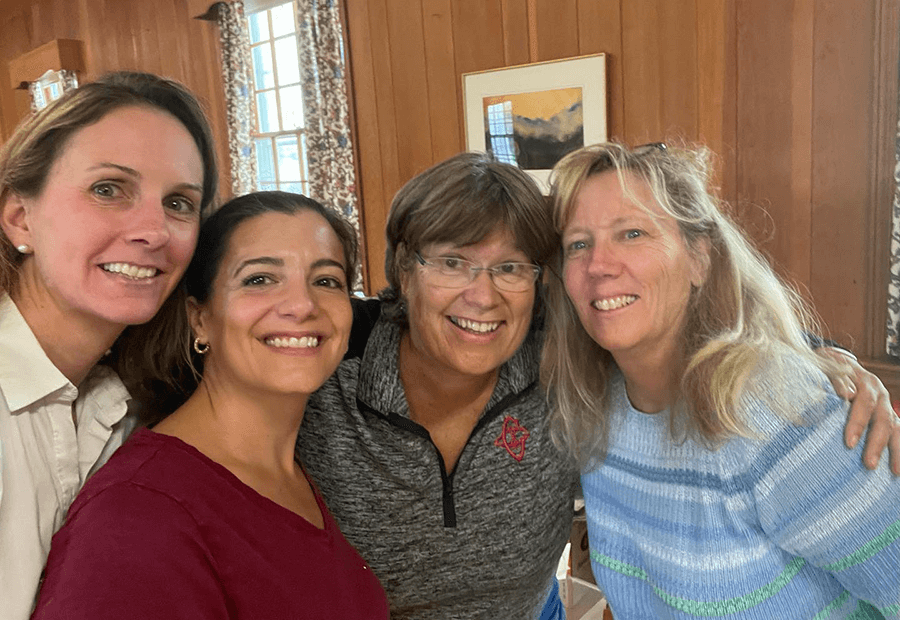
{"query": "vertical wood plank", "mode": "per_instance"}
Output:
(794, 246)
(385, 150)
(843, 77)
(166, 39)
(678, 74)
(444, 91)
(641, 50)
(478, 35)
(410, 79)
(371, 188)
(717, 88)
(147, 36)
(600, 31)
(557, 29)
(515, 32)
(764, 118)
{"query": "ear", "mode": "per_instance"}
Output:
(14, 219)
(700, 261)
(197, 317)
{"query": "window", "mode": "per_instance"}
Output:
(500, 126)
(279, 139)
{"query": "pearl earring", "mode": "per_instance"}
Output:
(24, 249)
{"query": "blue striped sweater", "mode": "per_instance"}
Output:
(785, 525)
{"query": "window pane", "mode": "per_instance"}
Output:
(283, 19)
(297, 188)
(259, 27)
(291, 107)
(265, 159)
(287, 60)
(288, 158)
(267, 110)
(268, 186)
(263, 76)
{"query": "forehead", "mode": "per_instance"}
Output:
(136, 134)
(500, 240)
(304, 234)
(602, 196)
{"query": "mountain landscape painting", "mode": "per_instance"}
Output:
(536, 128)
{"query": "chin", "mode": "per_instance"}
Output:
(131, 316)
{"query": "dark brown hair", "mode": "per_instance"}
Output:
(164, 392)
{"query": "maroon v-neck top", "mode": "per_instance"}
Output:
(162, 531)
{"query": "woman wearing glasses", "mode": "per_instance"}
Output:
(431, 443)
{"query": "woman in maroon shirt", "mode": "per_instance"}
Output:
(209, 515)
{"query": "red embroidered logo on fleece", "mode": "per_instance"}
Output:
(513, 437)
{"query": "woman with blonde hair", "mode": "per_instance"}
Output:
(710, 438)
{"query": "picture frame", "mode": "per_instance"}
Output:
(51, 86)
(531, 115)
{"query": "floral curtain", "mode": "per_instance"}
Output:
(237, 68)
(326, 111)
(893, 318)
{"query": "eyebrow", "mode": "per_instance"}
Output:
(134, 173)
(261, 260)
(125, 169)
(277, 262)
(328, 262)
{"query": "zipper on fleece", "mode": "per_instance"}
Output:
(449, 504)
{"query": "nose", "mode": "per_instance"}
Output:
(150, 226)
(298, 302)
(604, 260)
(481, 291)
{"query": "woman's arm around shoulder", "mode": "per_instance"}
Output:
(130, 552)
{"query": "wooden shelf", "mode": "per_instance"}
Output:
(53, 56)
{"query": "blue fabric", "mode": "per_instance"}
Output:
(785, 524)
(553, 608)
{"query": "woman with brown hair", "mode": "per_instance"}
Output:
(100, 202)
(210, 514)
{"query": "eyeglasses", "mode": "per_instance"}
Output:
(452, 272)
(650, 146)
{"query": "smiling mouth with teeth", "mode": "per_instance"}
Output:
(475, 326)
(614, 303)
(306, 342)
(131, 271)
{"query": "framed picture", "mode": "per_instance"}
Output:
(50, 87)
(532, 115)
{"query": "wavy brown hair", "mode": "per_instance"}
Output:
(29, 155)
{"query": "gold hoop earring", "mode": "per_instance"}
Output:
(201, 347)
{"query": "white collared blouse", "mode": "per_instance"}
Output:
(44, 458)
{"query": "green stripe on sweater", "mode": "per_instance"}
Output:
(832, 606)
(891, 534)
(703, 608)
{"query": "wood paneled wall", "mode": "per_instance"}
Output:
(160, 36)
(796, 97)
(668, 70)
